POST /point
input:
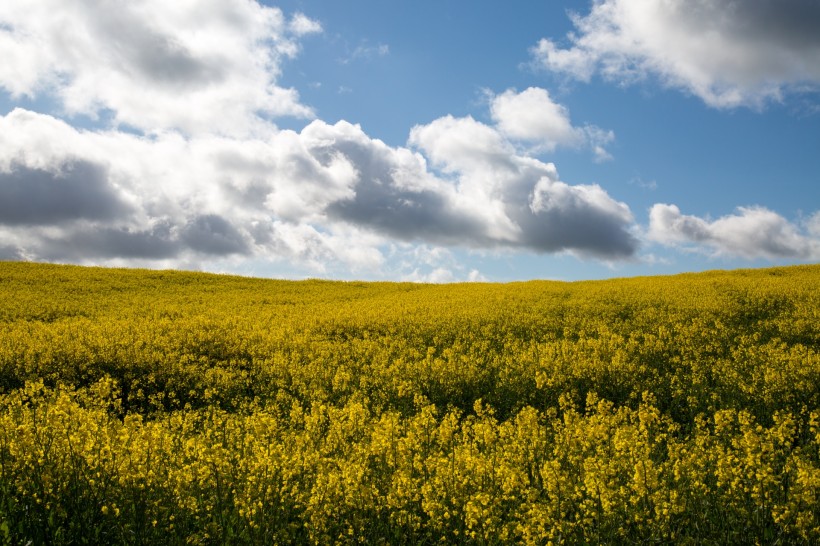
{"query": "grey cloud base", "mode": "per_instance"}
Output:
(95, 242)
(71, 190)
(579, 227)
(212, 234)
(206, 235)
(10, 253)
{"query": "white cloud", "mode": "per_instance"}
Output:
(165, 198)
(207, 178)
(197, 66)
(597, 138)
(429, 264)
(522, 200)
(439, 275)
(300, 25)
(328, 194)
(753, 232)
(727, 53)
(533, 116)
(813, 224)
(461, 144)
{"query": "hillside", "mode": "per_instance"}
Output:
(153, 407)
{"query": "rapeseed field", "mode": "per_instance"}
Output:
(156, 407)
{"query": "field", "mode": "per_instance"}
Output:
(146, 407)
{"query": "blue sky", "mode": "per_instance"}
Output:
(428, 141)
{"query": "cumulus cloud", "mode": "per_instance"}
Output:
(85, 195)
(727, 53)
(393, 194)
(532, 116)
(327, 194)
(192, 169)
(484, 195)
(195, 66)
(752, 232)
(525, 203)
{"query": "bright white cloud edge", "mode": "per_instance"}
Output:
(750, 233)
(532, 116)
(154, 64)
(728, 54)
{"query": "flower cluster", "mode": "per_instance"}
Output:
(146, 407)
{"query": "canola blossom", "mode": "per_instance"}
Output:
(157, 407)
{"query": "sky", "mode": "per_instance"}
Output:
(429, 141)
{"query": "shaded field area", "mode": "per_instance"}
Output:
(157, 407)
